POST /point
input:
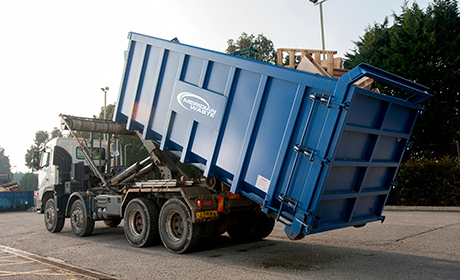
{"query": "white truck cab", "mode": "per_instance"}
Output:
(56, 159)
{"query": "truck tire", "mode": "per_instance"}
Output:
(82, 224)
(53, 223)
(141, 222)
(113, 222)
(244, 229)
(178, 233)
(263, 226)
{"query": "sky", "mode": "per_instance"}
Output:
(55, 56)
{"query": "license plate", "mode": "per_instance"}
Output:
(206, 214)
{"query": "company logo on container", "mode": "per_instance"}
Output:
(195, 103)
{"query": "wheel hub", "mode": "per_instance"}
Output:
(136, 223)
(175, 226)
(77, 218)
(49, 215)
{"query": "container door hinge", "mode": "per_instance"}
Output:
(328, 101)
(310, 154)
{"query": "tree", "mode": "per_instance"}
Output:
(422, 46)
(29, 182)
(5, 167)
(56, 133)
(40, 138)
(265, 47)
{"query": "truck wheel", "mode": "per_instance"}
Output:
(178, 233)
(141, 222)
(82, 224)
(263, 226)
(53, 223)
(244, 229)
(113, 222)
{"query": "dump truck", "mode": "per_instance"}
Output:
(274, 144)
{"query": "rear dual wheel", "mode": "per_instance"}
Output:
(141, 222)
(178, 233)
(251, 227)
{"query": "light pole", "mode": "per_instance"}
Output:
(105, 90)
(320, 3)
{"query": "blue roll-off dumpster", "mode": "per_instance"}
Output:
(19, 200)
(317, 152)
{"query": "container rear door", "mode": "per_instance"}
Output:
(364, 164)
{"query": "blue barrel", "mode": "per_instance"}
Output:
(318, 152)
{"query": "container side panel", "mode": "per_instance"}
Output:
(217, 77)
(132, 78)
(142, 105)
(179, 125)
(192, 70)
(269, 133)
(6, 200)
(244, 94)
(202, 141)
(303, 182)
(165, 89)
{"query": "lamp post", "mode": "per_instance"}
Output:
(320, 3)
(105, 105)
(105, 90)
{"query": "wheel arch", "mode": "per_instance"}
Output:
(47, 195)
(73, 197)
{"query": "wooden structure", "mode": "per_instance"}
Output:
(310, 61)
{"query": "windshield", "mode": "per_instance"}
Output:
(98, 153)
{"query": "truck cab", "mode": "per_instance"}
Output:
(55, 162)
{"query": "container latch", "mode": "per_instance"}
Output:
(310, 154)
(328, 100)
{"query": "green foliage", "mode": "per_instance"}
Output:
(5, 166)
(265, 47)
(56, 133)
(422, 46)
(40, 138)
(29, 182)
(427, 182)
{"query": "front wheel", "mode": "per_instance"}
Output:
(82, 224)
(178, 233)
(53, 223)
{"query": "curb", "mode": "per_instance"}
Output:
(422, 208)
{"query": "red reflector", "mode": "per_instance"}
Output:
(220, 206)
(232, 195)
(204, 203)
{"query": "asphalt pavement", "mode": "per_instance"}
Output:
(408, 245)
